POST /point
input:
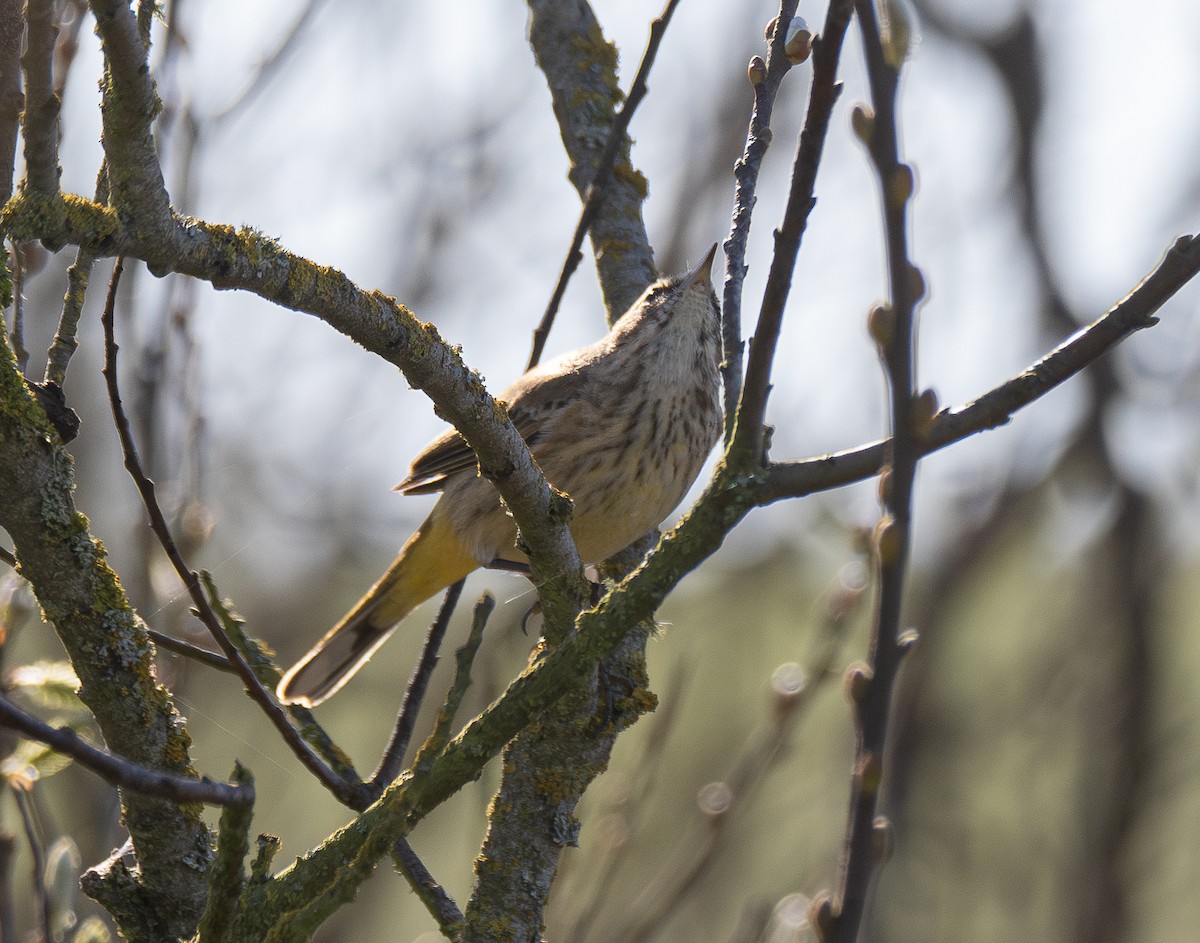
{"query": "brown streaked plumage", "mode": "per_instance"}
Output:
(623, 426)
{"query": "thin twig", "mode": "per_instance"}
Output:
(41, 104)
(596, 189)
(345, 791)
(6, 556)
(745, 175)
(38, 854)
(823, 95)
(268, 674)
(119, 771)
(406, 719)
(464, 658)
(440, 905)
(202, 655)
(997, 406)
(893, 329)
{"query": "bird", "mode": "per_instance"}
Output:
(623, 426)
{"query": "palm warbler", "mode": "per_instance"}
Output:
(623, 426)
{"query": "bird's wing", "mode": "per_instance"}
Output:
(534, 403)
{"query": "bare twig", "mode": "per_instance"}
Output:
(345, 791)
(40, 129)
(464, 658)
(594, 195)
(202, 655)
(6, 556)
(440, 905)
(119, 771)
(747, 441)
(745, 175)
(893, 330)
(393, 757)
(37, 852)
(268, 673)
(996, 407)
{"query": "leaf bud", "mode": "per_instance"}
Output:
(756, 71)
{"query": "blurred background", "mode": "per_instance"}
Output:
(1047, 754)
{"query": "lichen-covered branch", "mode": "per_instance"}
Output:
(580, 66)
(128, 106)
(547, 769)
(227, 876)
(112, 656)
(597, 188)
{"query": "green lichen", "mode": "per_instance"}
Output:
(6, 284)
(598, 56)
(628, 174)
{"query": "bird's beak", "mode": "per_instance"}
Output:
(702, 273)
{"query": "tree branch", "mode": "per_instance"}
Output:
(230, 258)
(596, 190)
(996, 407)
(119, 771)
(580, 66)
(893, 329)
(745, 175)
(746, 447)
(40, 120)
(128, 106)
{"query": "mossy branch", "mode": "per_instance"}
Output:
(107, 643)
(580, 66)
(227, 877)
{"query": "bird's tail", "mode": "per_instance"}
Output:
(431, 560)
